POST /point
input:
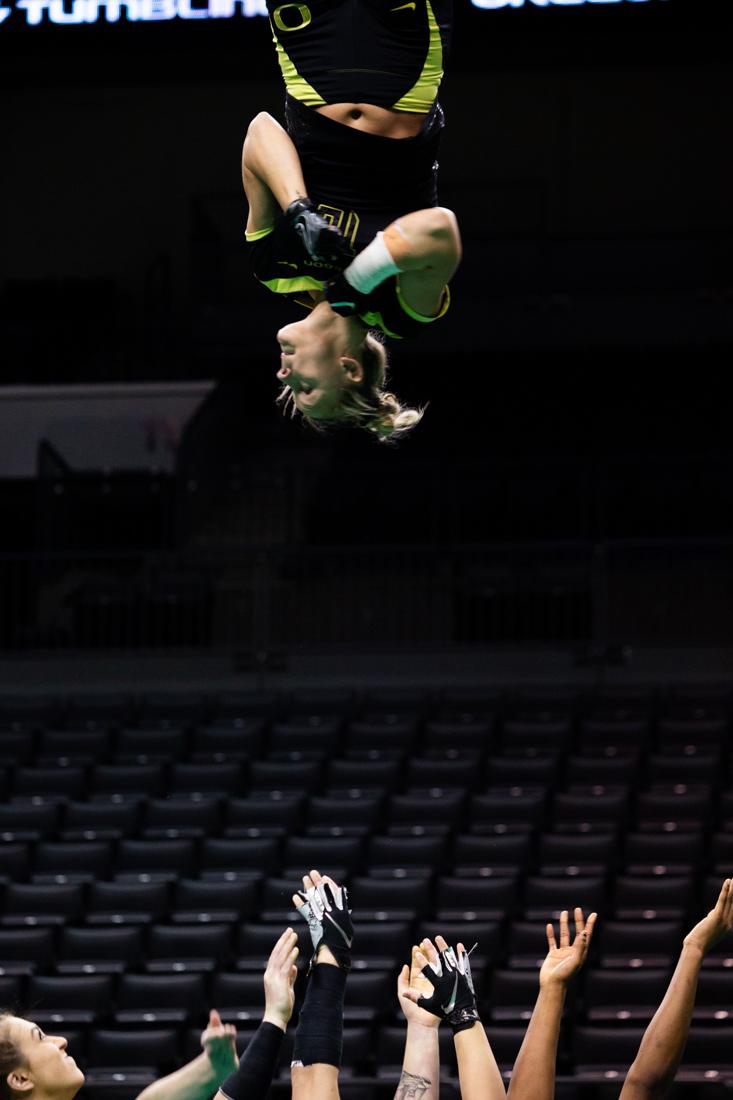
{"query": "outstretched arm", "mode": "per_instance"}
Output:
(655, 1065)
(420, 1077)
(314, 1071)
(200, 1078)
(452, 997)
(252, 1078)
(533, 1077)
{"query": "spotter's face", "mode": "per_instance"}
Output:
(46, 1069)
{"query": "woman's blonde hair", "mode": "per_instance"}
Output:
(367, 405)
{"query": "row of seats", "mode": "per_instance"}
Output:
(140, 899)
(350, 816)
(680, 700)
(398, 732)
(113, 948)
(183, 847)
(224, 773)
(169, 996)
(630, 946)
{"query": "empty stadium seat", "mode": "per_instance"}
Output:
(81, 999)
(507, 809)
(545, 897)
(182, 948)
(272, 810)
(646, 898)
(153, 1049)
(605, 1053)
(398, 899)
(181, 817)
(511, 996)
(651, 943)
(408, 851)
(475, 899)
(172, 857)
(659, 853)
(214, 900)
(127, 902)
(244, 856)
(626, 996)
(159, 999)
(104, 820)
(37, 904)
(81, 860)
(491, 852)
(23, 951)
(99, 950)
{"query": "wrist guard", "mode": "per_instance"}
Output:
(453, 998)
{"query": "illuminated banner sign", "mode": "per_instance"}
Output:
(70, 12)
(494, 5)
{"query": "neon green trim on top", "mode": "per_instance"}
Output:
(288, 286)
(445, 303)
(424, 92)
(258, 234)
(374, 319)
(295, 84)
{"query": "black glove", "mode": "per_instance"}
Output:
(322, 241)
(327, 914)
(343, 298)
(453, 998)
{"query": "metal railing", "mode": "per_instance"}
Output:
(283, 597)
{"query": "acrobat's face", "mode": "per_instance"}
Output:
(44, 1068)
(315, 363)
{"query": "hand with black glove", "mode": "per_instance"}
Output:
(344, 299)
(321, 240)
(325, 908)
(449, 972)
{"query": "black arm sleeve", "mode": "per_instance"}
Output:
(257, 1065)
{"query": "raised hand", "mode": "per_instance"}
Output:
(453, 998)
(325, 908)
(279, 979)
(719, 921)
(219, 1041)
(412, 979)
(565, 959)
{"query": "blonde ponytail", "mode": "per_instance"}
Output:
(367, 406)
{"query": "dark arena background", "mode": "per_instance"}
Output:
(481, 676)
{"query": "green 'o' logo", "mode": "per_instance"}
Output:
(303, 11)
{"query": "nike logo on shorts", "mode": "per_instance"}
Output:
(410, 4)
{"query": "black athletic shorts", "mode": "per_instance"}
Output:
(390, 53)
(364, 181)
(279, 261)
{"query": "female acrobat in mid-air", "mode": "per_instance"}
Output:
(343, 212)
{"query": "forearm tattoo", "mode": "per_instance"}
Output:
(412, 1087)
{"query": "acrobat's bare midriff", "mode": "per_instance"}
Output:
(374, 120)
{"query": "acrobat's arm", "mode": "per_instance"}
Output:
(198, 1079)
(655, 1066)
(533, 1077)
(271, 171)
(251, 1079)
